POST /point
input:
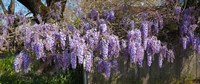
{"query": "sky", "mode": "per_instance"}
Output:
(19, 7)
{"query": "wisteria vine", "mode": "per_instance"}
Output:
(96, 43)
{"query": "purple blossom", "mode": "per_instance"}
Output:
(155, 23)
(50, 42)
(59, 5)
(21, 17)
(92, 38)
(106, 14)
(115, 65)
(86, 26)
(178, 10)
(161, 22)
(198, 49)
(107, 69)
(26, 62)
(62, 39)
(73, 59)
(149, 60)
(114, 46)
(22, 61)
(38, 47)
(104, 48)
(111, 15)
(193, 27)
(132, 23)
(144, 29)
(140, 55)
(103, 28)
(80, 52)
(135, 35)
(155, 44)
(94, 14)
(100, 65)
(163, 51)
(160, 61)
(18, 63)
(89, 61)
(66, 60)
(184, 42)
(123, 44)
(39, 17)
(132, 51)
(170, 56)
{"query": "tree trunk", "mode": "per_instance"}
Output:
(36, 7)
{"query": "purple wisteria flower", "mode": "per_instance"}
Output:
(115, 65)
(123, 44)
(132, 24)
(104, 44)
(94, 14)
(144, 29)
(38, 48)
(22, 61)
(73, 60)
(103, 28)
(89, 61)
(107, 66)
(100, 65)
(66, 60)
(132, 51)
(114, 46)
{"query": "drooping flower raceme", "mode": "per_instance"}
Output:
(22, 61)
(89, 61)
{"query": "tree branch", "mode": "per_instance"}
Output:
(11, 7)
(3, 7)
(35, 6)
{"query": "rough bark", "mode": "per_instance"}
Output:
(11, 7)
(36, 7)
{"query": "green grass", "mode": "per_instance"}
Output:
(9, 76)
